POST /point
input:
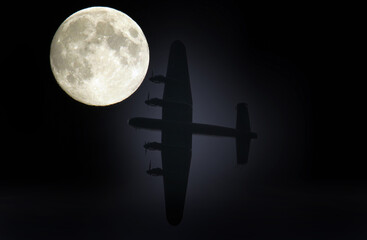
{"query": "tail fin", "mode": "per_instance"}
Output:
(243, 119)
(245, 135)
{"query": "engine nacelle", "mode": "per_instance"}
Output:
(155, 172)
(154, 102)
(152, 146)
(158, 79)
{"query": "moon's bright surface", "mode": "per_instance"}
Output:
(99, 56)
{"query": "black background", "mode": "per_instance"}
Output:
(71, 171)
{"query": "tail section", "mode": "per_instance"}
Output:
(245, 135)
(243, 119)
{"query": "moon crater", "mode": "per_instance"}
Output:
(99, 56)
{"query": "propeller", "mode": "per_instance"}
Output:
(151, 75)
(146, 101)
(145, 149)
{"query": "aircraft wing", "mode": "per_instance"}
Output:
(176, 158)
(177, 87)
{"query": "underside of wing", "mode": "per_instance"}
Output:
(177, 86)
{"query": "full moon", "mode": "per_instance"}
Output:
(99, 56)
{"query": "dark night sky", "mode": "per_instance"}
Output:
(71, 171)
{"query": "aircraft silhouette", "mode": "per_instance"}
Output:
(177, 129)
